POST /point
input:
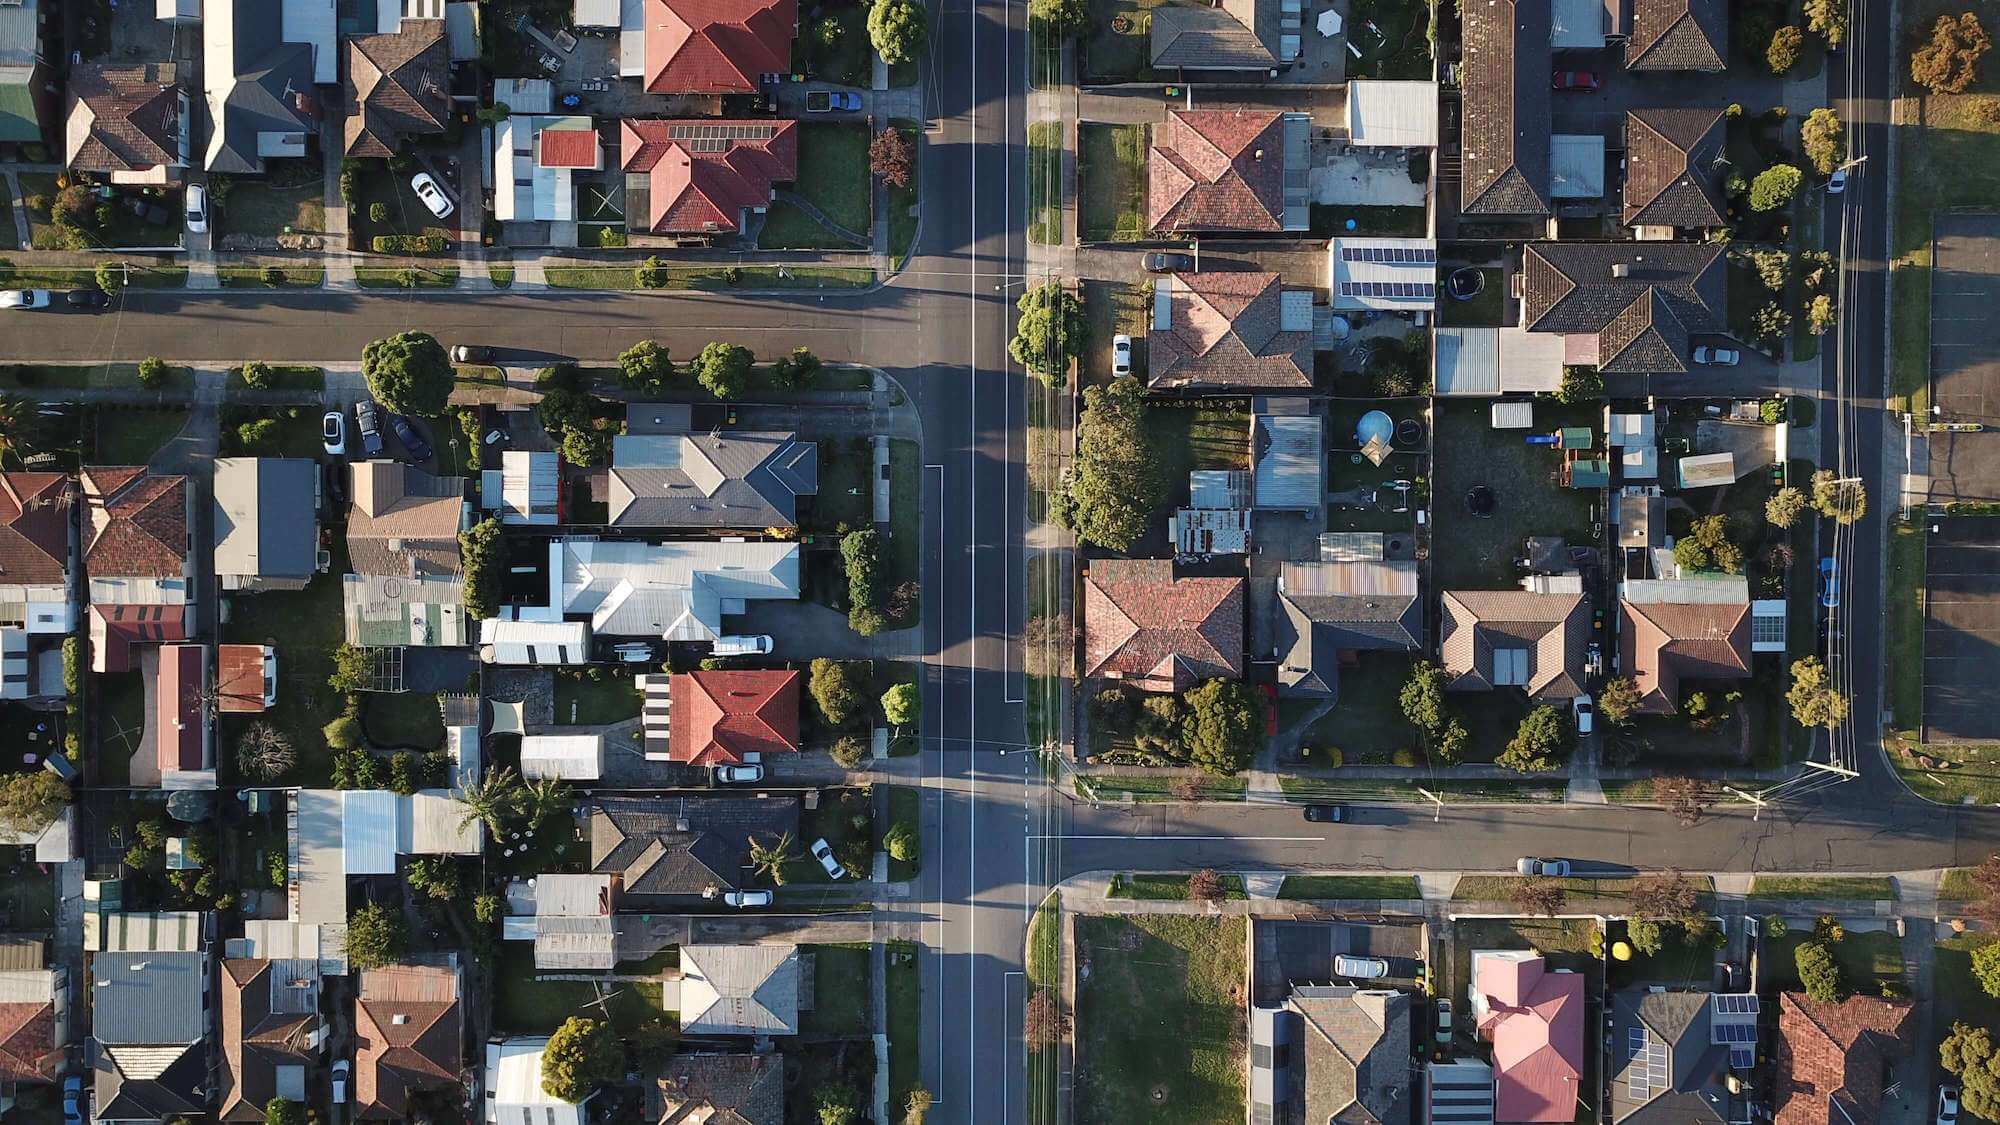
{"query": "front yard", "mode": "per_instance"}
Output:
(1110, 182)
(291, 200)
(135, 434)
(1366, 727)
(1867, 960)
(841, 980)
(833, 177)
(1159, 1020)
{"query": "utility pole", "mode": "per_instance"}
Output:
(1437, 813)
(1833, 769)
(1760, 802)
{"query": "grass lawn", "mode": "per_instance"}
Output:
(501, 276)
(1114, 307)
(27, 900)
(285, 377)
(715, 277)
(904, 996)
(1451, 790)
(1830, 886)
(1964, 774)
(846, 485)
(583, 701)
(268, 209)
(402, 211)
(1905, 633)
(144, 275)
(258, 277)
(120, 701)
(833, 176)
(1528, 501)
(408, 720)
(136, 433)
(1955, 992)
(1044, 956)
(1112, 54)
(305, 626)
(1349, 886)
(1045, 183)
(834, 820)
(905, 509)
(1159, 1019)
(1485, 307)
(1957, 886)
(1367, 723)
(408, 277)
(848, 60)
(1402, 49)
(1167, 888)
(840, 991)
(530, 1006)
(904, 808)
(1201, 435)
(903, 200)
(1679, 964)
(297, 433)
(1160, 787)
(1865, 959)
(1110, 182)
(1499, 888)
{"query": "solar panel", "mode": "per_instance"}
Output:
(1742, 1058)
(1413, 255)
(1736, 1003)
(1735, 1033)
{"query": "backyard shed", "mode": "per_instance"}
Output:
(578, 757)
(1513, 415)
(1708, 470)
(1392, 114)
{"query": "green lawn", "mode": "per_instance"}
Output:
(121, 719)
(133, 434)
(1527, 500)
(904, 808)
(903, 200)
(402, 720)
(267, 207)
(1500, 888)
(1203, 435)
(27, 899)
(285, 377)
(1960, 774)
(305, 626)
(411, 277)
(1042, 964)
(848, 59)
(1349, 886)
(1110, 182)
(1865, 959)
(841, 980)
(1159, 787)
(1485, 307)
(905, 510)
(1451, 790)
(501, 276)
(1118, 47)
(714, 277)
(1905, 633)
(530, 1006)
(834, 177)
(1366, 726)
(144, 275)
(1045, 183)
(1836, 887)
(1166, 888)
(1159, 1019)
(583, 701)
(834, 820)
(904, 997)
(1955, 993)
(256, 277)
(1957, 886)
(1114, 307)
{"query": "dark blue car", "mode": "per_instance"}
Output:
(420, 450)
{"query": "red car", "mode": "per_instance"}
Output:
(1581, 81)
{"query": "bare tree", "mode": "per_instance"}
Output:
(1045, 646)
(1986, 881)
(1204, 886)
(1687, 798)
(1538, 895)
(1044, 1022)
(265, 753)
(1667, 897)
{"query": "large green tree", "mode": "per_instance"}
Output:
(898, 29)
(1968, 1053)
(479, 549)
(646, 367)
(1116, 482)
(409, 373)
(1823, 139)
(1050, 333)
(581, 1055)
(1222, 726)
(376, 936)
(1815, 701)
(836, 688)
(1537, 744)
(1774, 187)
(30, 801)
(724, 369)
(1949, 63)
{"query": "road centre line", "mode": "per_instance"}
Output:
(1170, 836)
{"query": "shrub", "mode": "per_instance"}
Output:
(1949, 63)
(1819, 973)
(343, 733)
(610, 238)
(1223, 727)
(836, 688)
(272, 276)
(1823, 140)
(581, 1055)
(1774, 187)
(850, 752)
(152, 372)
(892, 157)
(1580, 384)
(408, 243)
(650, 274)
(901, 842)
(257, 375)
(378, 212)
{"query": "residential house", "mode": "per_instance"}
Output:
(666, 473)
(526, 490)
(246, 678)
(266, 523)
(1534, 1017)
(138, 529)
(1335, 1053)
(1687, 629)
(514, 1090)
(733, 716)
(29, 95)
(1236, 36)
(568, 917)
(1678, 35)
(398, 86)
(148, 1048)
(404, 522)
(36, 510)
(1625, 307)
(542, 154)
(1673, 170)
(668, 591)
(396, 611)
(1830, 1060)
(731, 1089)
(1329, 609)
(338, 835)
(271, 1034)
(127, 123)
(34, 1013)
(701, 47)
(1514, 638)
(703, 176)
(182, 731)
(739, 989)
(1146, 627)
(671, 851)
(409, 1026)
(1672, 1056)
(1225, 170)
(1383, 274)
(260, 62)
(1229, 332)
(1505, 152)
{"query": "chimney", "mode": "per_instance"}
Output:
(1620, 269)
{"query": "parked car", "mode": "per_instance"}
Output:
(1576, 81)
(87, 299)
(24, 299)
(1837, 183)
(341, 1070)
(1585, 713)
(829, 101)
(1326, 814)
(823, 852)
(1829, 583)
(759, 645)
(371, 430)
(1717, 357)
(1529, 865)
(196, 209)
(1167, 261)
(72, 1098)
(471, 353)
(1444, 1021)
(738, 775)
(419, 449)
(1947, 1105)
(745, 900)
(1121, 354)
(333, 433)
(335, 483)
(427, 189)
(1361, 968)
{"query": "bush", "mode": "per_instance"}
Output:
(1224, 726)
(408, 243)
(257, 375)
(1986, 968)
(1819, 973)
(378, 212)
(1536, 744)
(1774, 187)
(892, 157)
(610, 238)
(850, 752)
(112, 276)
(272, 276)
(1949, 63)
(152, 372)
(343, 733)
(836, 688)
(901, 842)
(1580, 384)
(1823, 140)
(581, 1055)
(650, 274)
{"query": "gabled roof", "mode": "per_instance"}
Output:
(35, 527)
(741, 1089)
(1661, 643)
(28, 1048)
(1494, 638)
(1641, 300)
(1679, 1070)
(115, 629)
(1678, 35)
(723, 716)
(178, 726)
(1145, 626)
(684, 846)
(1217, 169)
(1229, 330)
(1504, 169)
(1190, 37)
(408, 1027)
(1535, 1021)
(739, 989)
(737, 479)
(398, 85)
(264, 526)
(254, 81)
(700, 176)
(261, 1032)
(1326, 608)
(1357, 1054)
(1836, 1053)
(717, 46)
(404, 522)
(124, 118)
(148, 1033)
(138, 523)
(1671, 177)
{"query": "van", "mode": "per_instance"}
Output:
(1363, 968)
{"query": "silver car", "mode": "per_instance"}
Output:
(823, 852)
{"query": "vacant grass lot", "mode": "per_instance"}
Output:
(1349, 886)
(291, 200)
(833, 176)
(1527, 499)
(841, 979)
(1160, 1019)
(536, 1007)
(1110, 182)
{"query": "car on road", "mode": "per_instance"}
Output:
(342, 1069)
(365, 420)
(1362, 968)
(744, 900)
(333, 433)
(758, 645)
(1575, 81)
(72, 1098)
(87, 299)
(829, 101)
(419, 449)
(1837, 183)
(1326, 814)
(24, 299)
(823, 852)
(1169, 261)
(1529, 865)
(1121, 354)
(195, 210)
(1717, 357)
(1947, 1105)
(1829, 583)
(1444, 1021)
(427, 189)
(471, 353)
(1585, 713)
(738, 775)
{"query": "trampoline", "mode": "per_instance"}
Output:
(1465, 283)
(1480, 501)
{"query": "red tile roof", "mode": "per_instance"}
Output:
(239, 678)
(1835, 1052)
(694, 191)
(720, 717)
(421, 1050)
(567, 148)
(1534, 1019)
(717, 46)
(1218, 169)
(177, 726)
(34, 527)
(1662, 643)
(1146, 627)
(1226, 330)
(115, 629)
(138, 523)
(28, 1051)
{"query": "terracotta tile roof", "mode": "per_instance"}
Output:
(256, 1040)
(1678, 35)
(567, 148)
(1640, 299)
(1144, 626)
(1552, 629)
(28, 1048)
(719, 1090)
(124, 118)
(1224, 330)
(177, 719)
(115, 629)
(1534, 1019)
(398, 85)
(1836, 1052)
(408, 1025)
(1671, 177)
(1219, 169)
(138, 523)
(1662, 643)
(720, 717)
(717, 46)
(1505, 165)
(34, 527)
(404, 521)
(239, 678)
(697, 185)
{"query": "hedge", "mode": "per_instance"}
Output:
(409, 243)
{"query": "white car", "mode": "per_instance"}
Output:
(433, 196)
(1121, 354)
(759, 645)
(1947, 1109)
(1585, 712)
(341, 1069)
(195, 209)
(333, 433)
(1837, 183)
(824, 853)
(1529, 865)
(24, 299)
(1717, 357)
(744, 900)
(738, 775)
(1444, 1021)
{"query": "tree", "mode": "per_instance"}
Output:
(898, 30)
(1537, 744)
(376, 936)
(724, 369)
(1046, 646)
(1707, 546)
(1949, 63)
(1223, 726)
(1770, 325)
(1986, 968)
(409, 373)
(901, 842)
(29, 802)
(1666, 897)
(861, 552)
(917, 1106)
(1819, 314)
(1686, 797)
(1644, 935)
(1773, 265)
(257, 375)
(1785, 506)
(111, 277)
(1617, 700)
(1824, 140)
(1783, 53)
(1449, 745)
(580, 1056)
(1044, 1022)
(773, 858)
(835, 687)
(1986, 884)
(264, 752)
(152, 373)
(836, 1103)
(436, 876)
(488, 908)
(1204, 886)
(1422, 698)
(1968, 1053)
(646, 367)
(892, 157)
(1050, 332)
(1814, 700)
(1844, 499)
(493, 799)
(1819, 973)
(797, 369)
(480, 551)
(343, 733)
(902, 705)
(279, 1111)
(1116, 482)
(1774, 187)
(1539, 895)
(1064, 17)
(849, 752)
(1579, 385)
(1829, 18)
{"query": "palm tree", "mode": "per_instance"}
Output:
(772, 860)
(16, 419)
(492, 799)
(542, 798)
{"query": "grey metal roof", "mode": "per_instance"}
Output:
(683, 845)
(263, 516)
(1285, 457)
(739, 989)
(1325, 608)
(20, 33)
(734, 479)
(148, 998)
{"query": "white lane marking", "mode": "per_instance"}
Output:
(1165, 836)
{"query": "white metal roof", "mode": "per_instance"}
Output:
(596, 13)
(1382, 273)
(575, 756)
(1708, 470)
(433, 822)
(573, 896)
(514, 1086)
(1481, 362)
(529, 483)
(165, 931)
(1392, 114)
(1511, 415)
(534, 642)
(319, 872)
(677, 591)
(523, 95)
(368, 831)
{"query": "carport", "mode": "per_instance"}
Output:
(1961, 628)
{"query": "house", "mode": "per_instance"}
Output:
(138, 530)
(29, 95)
(266, 527)
(701, 47)
(34, 1028)
(398, 86)
(246, 678)
(671, 851)
(260, 62)
(1686, 629)
(408, 1027)
(1385, 274)
(1328, 609)
(363, 832)
(1229, 332)
(148, 1049)
(1672, 1056)
(271, 1034)
(1829, 1060)
(664, 473)
(573, 757)
(570, 920)
(739, 989)
(1286, 462)
(514, 1085)
(1625, 307)
(404, 522)
(1534, 1017)
(36, 510)
(1504, 126)
(1226, 170)
(1515, 638)
(1673, 170)
(526, 490)
(1146, 627)
(543, 154)
(127, 123)
(1678, 35)
(703, 176)
(1335, 1053)
(733, 716)
(670, 591)
(721, 1089)
(390, 611)
(1234, 36)
(182, 731)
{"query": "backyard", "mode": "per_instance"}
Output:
(531, 1006)
(1110, 182)
(406, 720)
(585, 700)
(1527, 500)
(120, 704)
(1159, 1019)
(1209, 434)
(306, 626)
(833, 177)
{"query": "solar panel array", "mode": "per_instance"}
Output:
(1742, 1058)
(1387, 289)
(1647, 1059)
(1404, 255)
(718, 138)
(1733, 1033)
(1736, 1004)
